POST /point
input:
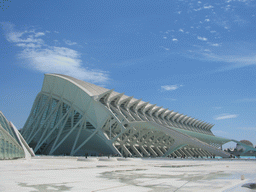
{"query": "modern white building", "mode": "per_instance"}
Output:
(73, 117)
(12, 144)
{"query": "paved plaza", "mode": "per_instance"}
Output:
(119, 174)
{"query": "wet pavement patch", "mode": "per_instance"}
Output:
(159, 182)
(47, 187)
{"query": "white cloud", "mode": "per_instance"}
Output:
(52, 59)
(167, 49)
(61, 60)
(39, 34)
(16, 37)
(226, 116)
(237, 57)
(28, 45)
(174, 39)
(202, 38)
(68, 42)
(208, 7)
(170, 87)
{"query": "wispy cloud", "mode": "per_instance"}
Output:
(220, 20)
(29, 38)
(68, 42)
(170, 87)
(39, 34)
(202, 38)
(234, 61)
(215, 44)
(61, 60)
(51, 59)
(225, 116)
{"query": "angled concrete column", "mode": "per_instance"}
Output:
(191, 152)
(144, 151)
(187, 153)
(126, 151)
(181, 152)
(163, 149)
(200, 152)
(136, 151)
(160, 153)
(178, 153)
(152, 151)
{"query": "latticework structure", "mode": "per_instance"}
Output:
(73, 117)
(12, 144)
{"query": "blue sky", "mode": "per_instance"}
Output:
(194, 57)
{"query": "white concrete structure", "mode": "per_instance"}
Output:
(73, 117)
(12, 144)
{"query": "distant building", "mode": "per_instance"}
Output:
(73, 117)
(240, 147)
(12, 144)
(243, 148)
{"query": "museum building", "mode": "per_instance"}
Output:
(74, 117)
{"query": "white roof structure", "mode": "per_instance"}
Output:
(73, 117)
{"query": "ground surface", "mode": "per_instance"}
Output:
(115, 174)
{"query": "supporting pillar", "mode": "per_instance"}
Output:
(191, 152)
(160, 153)
(125, 150)
(152, 151)
(181, 152)
(177, 153)
(136, 151)
(163, 149)
(144, 151)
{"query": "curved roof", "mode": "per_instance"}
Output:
(98, 92)
(246, 142)
(93, 89)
